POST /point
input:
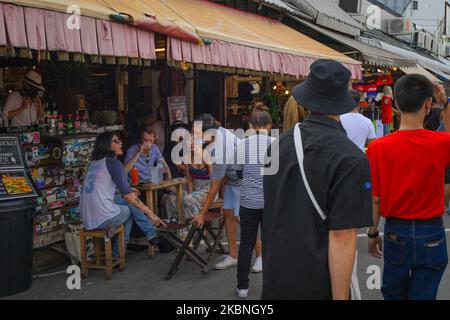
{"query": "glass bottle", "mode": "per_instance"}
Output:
(70, 129)
(60, 125)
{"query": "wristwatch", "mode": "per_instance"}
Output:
(373, 235)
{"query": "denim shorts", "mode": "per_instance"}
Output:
(231, 197)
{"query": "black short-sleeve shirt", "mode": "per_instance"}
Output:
(295, 250)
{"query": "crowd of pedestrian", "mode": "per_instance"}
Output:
(334, 177)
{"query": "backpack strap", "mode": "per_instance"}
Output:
(300, 157)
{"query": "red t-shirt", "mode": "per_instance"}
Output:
(408, 170)
(386, 110)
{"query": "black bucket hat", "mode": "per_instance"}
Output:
(326, 90)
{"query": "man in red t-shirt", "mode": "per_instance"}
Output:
(407, 170)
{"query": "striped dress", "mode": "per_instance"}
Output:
(192, 203)
(251, 153)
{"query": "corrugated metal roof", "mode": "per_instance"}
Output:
(420, 70)
(427, 62)
(329, 8)
(280, 4)
(370, 54)
(328, 14)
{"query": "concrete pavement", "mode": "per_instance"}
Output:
(144, 279)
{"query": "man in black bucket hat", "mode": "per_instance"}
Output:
(310, 238)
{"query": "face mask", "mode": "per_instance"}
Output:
(29, 91)
(427, 116)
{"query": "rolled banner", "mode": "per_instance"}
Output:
(152, 23)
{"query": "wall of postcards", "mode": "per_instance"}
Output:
(58, 166)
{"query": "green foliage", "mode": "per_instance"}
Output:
(271, 101)
(61, 75)
(105, 118)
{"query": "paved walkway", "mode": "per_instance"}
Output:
(144, 279)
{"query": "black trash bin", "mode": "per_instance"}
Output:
(16, 245)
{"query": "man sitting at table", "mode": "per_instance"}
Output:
(145, 155)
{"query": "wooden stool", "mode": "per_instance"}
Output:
(108, 261)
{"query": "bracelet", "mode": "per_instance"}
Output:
(373, 235)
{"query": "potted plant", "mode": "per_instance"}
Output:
(271, 101)
(105, 118)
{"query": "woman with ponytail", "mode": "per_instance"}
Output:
(250, 161)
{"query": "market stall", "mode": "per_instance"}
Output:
(86, 90)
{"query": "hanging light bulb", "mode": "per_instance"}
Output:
(286, 92)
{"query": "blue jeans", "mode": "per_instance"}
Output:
(125, 218)
(141, 219)
(386, 129)
(415, 257)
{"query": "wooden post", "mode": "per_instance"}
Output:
(108, 259)
(98, 251)
(84, 270)
(180, 203)
(149, 199)
(121, 240)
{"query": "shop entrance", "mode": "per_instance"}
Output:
(210, 94)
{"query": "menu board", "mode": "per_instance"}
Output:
(14, 181)
(177, 109)
(15, 184)
(10, 153)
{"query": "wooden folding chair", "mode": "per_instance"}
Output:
(190, 245)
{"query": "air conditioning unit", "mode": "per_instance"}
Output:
(400, 26)
(441, 49)
(435, 46)
(428, 42)
(419, 39)
(447, 51)
(350, 6)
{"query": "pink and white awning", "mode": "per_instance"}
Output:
(227, 54)
(47, 30)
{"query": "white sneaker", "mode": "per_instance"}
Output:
(242, 293)
(226, 263)
(257, 266)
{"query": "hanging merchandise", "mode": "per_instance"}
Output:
(358, 86)
(371, 88)
(365, 87)
(379, 128)
(384, 80)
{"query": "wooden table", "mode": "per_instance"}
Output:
(150, 194)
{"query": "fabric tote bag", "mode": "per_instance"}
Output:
(72, 240)
(354, 284)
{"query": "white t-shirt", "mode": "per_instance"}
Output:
(26, 118)
(358, 128)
